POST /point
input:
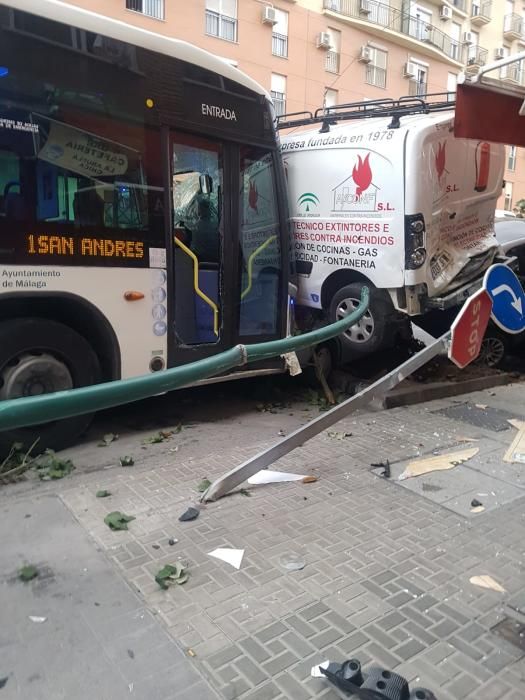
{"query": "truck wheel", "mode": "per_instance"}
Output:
(371, 333)
(38, 356)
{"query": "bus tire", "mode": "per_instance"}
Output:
(40, 356)
(372, 332)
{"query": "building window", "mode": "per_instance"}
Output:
(419, 83)
(280, 34)
(331, 98)
(455, 36)
(452, 81)
(376, 69)
(278, 92)
(508, 196)
(151, 8)
(511, 158)
(332, 61)
(221, 19)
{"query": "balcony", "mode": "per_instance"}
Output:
(476, 56)
(389, 18)
(515, 73)
(513, 26)
(331, 62)
(221, 26)
(280, 45)
(480, 14)
(150, 8)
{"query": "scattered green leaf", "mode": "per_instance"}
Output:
(16, 463)
(161, 436)
(103, 493)
(204, 485)
(108, 439)
(170, 575)
(127, 461)
(49, 466)
(117, 520)
(28, 573)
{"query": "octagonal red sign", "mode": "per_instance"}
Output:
(469, 328)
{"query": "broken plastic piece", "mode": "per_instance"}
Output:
(230, 556)
(516, 451)
(36, 618)
(486, 582)
(292, 562)
(190, 514)
(267, 476)
(437, 463)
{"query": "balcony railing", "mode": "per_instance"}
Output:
(397, 21)
(331, 62)
(476, 56)
(481, 12)
(417, 87)
(516, 73)
(151, 8)
(375, 76)
(280, 45)
(513, 25)
(221, 26)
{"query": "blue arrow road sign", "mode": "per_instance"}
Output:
(508, 298)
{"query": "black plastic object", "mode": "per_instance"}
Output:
(377, 684)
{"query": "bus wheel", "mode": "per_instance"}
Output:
(37, 357)
(371, 332)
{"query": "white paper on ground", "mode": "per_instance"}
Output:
(230, 556)
(316, 670)
(267, 476)
(486, 581)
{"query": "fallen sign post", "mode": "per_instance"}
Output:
(467, 335)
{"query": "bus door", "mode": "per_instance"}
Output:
(202, 258)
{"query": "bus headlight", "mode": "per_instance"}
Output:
(418, 257)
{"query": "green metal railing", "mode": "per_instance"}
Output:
(23, 412)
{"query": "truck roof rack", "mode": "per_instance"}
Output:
(408, 104)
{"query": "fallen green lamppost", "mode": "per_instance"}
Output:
(23, 412)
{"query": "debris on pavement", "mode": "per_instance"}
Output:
(3, 682)
(482, 406)
(315, 671)
(486, 581)
(161, 436)
(464, 438)
(103, 493)
(36, 618)
(50, 467)
(383, 465)
(108, 439)
(267, 476)
(516, 423)
(475, 503)
(191, 653)
(245, 492)
(190, 514)
(516, 451)
(437, 463)
(117, 520)
(338, 435)
(172, 541)
(204, 485)
(230, 556)
(28, 573)
(171, 575)
(16, 463)
(126, 461)
(292, 562)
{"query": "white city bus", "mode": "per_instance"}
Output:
(143, 219)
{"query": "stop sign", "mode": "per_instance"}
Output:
(469, 328)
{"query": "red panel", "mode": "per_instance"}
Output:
(488, 116)
(469, 328)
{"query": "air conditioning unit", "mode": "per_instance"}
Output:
(468, 38)
(269, 15)
(499, 53)
(324, 40)
(445, 12)
(365, 54)
(409, 70)
(364, 7)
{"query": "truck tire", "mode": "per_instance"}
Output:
(494, 348)
(38, 356)
(372, 332)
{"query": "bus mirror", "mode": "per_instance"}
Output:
(205, 184)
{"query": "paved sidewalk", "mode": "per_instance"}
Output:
(387, 563)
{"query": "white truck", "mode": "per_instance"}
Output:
(382, 194)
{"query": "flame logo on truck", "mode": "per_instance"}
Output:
(253, 196)
(362, 174)
(441, 159)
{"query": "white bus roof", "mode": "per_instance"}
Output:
(100, 24)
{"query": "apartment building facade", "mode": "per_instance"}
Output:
(310, 53)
